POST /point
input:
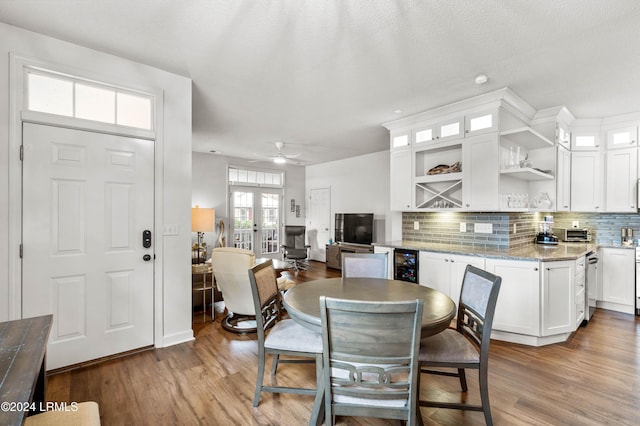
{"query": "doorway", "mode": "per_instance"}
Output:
(319, 222)
(88, 201)
(256, 220)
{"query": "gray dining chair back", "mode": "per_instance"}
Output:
(278, 336)
(466, 346)
(365, 265)
(371, 358)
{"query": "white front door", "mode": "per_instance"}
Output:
(319, 229)
(87, 199)
(255, 220)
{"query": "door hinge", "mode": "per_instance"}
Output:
(21, 152)
(20, 251)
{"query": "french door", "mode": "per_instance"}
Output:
(256, 220)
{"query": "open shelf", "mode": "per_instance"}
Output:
(443, 177)
(526, 173)
(527, 138)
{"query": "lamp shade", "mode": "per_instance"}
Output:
(202, 220)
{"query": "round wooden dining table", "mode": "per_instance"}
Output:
(303, 301)
(303, 305)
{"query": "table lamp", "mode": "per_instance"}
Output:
(202, 220)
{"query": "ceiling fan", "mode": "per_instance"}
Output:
(281, 157)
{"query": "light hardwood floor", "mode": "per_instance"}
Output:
(592, 379)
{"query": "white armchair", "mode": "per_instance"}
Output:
(230, 268)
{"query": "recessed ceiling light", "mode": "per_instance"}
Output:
(481, 79)
(397, 111)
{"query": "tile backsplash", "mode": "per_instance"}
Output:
(510, 229)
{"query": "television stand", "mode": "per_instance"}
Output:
(334, 252)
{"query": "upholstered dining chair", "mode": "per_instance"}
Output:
(364, 265)
(278, 336)
(371, 358)
(466, 346)
(230, 267)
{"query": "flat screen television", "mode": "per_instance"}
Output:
(355, 228)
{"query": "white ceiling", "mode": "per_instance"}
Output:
(323, 75)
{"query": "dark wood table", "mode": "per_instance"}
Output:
(303, 305)
(23, 345)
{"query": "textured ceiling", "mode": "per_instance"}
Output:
(321, 76)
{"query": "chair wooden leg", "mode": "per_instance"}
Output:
(484, 397)
(261, 361)
(463, 379)
(274, 366)
(318, 411)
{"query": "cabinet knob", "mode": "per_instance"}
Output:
(446, 260)
(535, 269)
(566, 207)
(452, 260)
(468, 205)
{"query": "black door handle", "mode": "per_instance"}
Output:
(146, 257)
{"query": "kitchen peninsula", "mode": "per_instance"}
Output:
(543, 294)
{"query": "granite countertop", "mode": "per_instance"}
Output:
(538, 252)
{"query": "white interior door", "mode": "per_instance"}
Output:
(87, 198)
(319, 229)
(256, 220)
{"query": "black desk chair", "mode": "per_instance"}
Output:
(296, 252)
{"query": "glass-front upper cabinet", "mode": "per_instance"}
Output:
(425, 135)
(450, 129)
(563, 135)
(624, 137)
(400, 140)
(481, 122)
(585, 140)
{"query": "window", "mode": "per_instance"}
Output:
(71, 97)
(255, 177)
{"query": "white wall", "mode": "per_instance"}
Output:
(173, 162)
(358, 185)
(209, 188)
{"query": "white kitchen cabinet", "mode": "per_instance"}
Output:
(621, 179)
(444, 272)
(563, 180)
(558, 297)
(618, 279)
(400, 139)
(518, 306)
(481, 122)
(480, 161)
(389, 252)
(452, 128)
(623, 137)
(425, 134)
(586, 181)
(563, 134)
(401, 180)
(585, 139)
